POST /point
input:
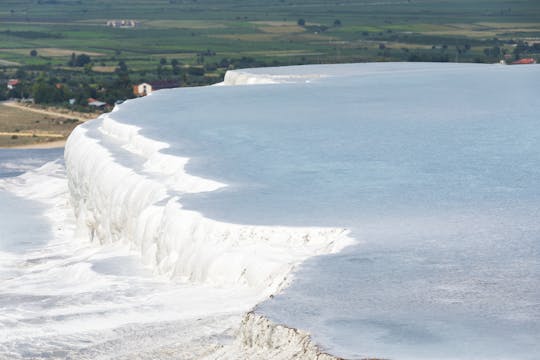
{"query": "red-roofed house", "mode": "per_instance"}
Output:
(96, 103)
(526, 61)
(12, 83)
(144, 89)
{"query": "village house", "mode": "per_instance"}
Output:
(147, 88)
(12, 83)
(122, 23)
(526, 61)
(96, 103)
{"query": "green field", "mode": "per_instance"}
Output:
(207, 37)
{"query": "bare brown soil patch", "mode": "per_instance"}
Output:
(20, 127)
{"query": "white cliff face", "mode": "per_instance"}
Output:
(141, 205)
(259, 338)
(430, 168)
(62, 298)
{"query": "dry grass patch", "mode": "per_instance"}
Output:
(26, 142)
(8, 63)
(52, 52)
(184, 24)
(528, 26)
(284, 29)
(466, 33)
(274, 23)
(21, 127)
(175, 55)
(311, 37)
(104, 69)
(304, 36)
(484, 29)
(278, 27)
(284, 53)
(398, 45)
(247, 37)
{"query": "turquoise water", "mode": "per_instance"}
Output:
(17, 161)
(435, 169)
(22, 223)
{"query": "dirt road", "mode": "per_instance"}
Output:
(71, 115)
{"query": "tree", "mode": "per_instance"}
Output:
(82, 60)
(301, 22)
(21, 74)
(200, 58)
(163, 61)
(122, 67)
(196, 71)
(224, 63)
(122, 71)
(520, 47)
(175, 68)
(44, 92)
(88, 70)
(33, 53)
(79, 60)
(337, 22)
(492, 52)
